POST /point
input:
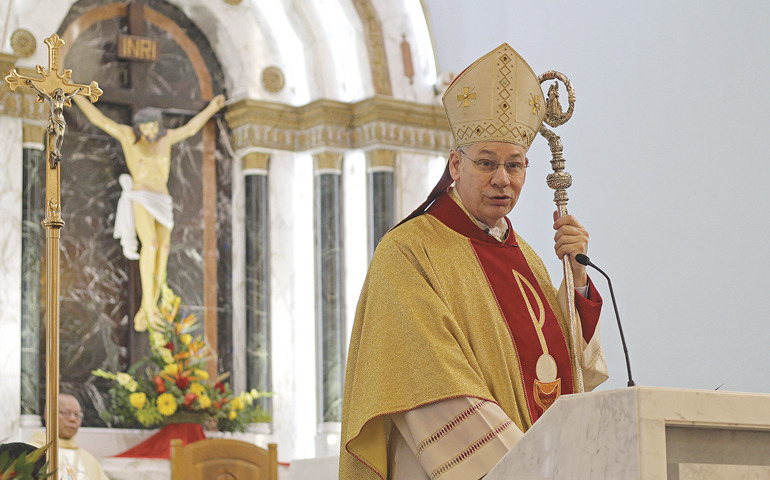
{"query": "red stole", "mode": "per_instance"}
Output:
(498, 261)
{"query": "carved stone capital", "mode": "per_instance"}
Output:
(328, 161)
(256, 161)
(380, 159)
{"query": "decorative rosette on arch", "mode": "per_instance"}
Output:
(497, 99)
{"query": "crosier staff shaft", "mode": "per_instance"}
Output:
(560, 181)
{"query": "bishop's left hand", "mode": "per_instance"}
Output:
(571, 238)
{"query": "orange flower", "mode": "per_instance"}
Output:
(160, 385)
(182, 355)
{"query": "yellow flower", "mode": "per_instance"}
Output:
(132, 385)
(166, 404)
(247, 398)
(171, 369)
(123, 378)
(166, 355)
(197, 388)
(202, 374)
(186, 338)
(204, 401)
(137, 400)
(236, 403)
(158, 339)
(232, 414)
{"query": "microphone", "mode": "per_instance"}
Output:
(584, 260)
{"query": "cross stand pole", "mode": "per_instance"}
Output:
(560, 181)
(55, 89)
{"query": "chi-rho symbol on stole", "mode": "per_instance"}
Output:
(547, 387)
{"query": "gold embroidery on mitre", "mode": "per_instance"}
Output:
(535, 103)
(506, 103)
(466, 97)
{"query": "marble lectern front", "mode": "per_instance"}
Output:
(646, 433)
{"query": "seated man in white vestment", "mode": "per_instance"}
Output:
(74, 462)
(460, 341)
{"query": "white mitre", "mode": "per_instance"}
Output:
(496, 99)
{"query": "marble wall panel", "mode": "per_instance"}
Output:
(94, 274)
(331, 349)
(224, 226)
(381, 206)
(10, 274)
(258, 361)
(32, 244)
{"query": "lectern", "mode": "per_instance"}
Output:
(645, 433)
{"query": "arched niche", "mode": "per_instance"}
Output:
(100, 289)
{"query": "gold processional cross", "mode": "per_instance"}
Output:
(55, 89)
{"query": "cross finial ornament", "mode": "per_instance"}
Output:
(55, 89)
(466, 97)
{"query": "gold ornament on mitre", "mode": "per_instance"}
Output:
(497, 99)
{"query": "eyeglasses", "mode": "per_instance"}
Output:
(67, 413)
(513, 169)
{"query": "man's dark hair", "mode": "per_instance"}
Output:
(147, 115)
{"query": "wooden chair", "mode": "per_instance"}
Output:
(223, 459)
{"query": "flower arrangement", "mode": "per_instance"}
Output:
(24, 466)
(173, 381)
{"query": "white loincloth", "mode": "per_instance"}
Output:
(159, 205)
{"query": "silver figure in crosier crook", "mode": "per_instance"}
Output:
(560, 181)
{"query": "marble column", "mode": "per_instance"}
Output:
(330, 331)
(258, 357)
(380, 168)
(32, 237)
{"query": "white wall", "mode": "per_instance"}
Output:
(668, 151)
(10, 275)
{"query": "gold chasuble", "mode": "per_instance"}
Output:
(447, 311)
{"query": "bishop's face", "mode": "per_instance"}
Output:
(149, 130)
(489, 192)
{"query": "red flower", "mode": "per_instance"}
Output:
(220, 387)
(217, 404)
(160, 386)
(189, 398)
(170, 346)
(182, 382)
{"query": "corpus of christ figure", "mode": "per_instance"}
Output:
(147, 149)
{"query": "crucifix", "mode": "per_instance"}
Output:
(55, 89)
(132, 95)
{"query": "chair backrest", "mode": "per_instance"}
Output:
(223, 459)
